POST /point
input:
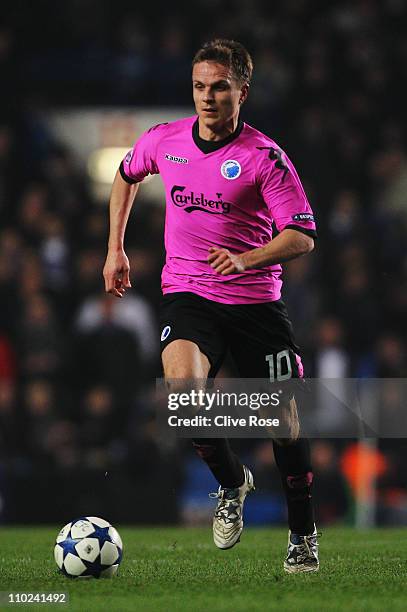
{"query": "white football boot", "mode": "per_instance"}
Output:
(302, 553)
(228, 517)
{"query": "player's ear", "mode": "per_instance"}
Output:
(244, 91)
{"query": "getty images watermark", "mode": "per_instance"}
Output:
(205, 402)
(261, 408)
(221, 408)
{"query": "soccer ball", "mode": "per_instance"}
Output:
(88, 546)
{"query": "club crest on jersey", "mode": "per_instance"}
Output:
(230, 169)
(165, 333)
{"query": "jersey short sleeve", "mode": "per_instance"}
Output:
(141, 159)
(283, 193)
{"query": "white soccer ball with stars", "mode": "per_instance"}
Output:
(88, 546)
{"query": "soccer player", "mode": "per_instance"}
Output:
(226, 185)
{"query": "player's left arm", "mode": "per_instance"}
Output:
(287, 245)
(284, 196)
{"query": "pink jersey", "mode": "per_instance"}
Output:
(220, 194)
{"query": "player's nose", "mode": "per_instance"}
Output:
(208, 96)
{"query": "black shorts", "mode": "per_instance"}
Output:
(259, 336)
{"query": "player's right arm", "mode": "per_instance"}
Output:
(116, 271)
(138, 163)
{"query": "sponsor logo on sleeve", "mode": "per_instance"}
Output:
(175, 159)
(303, 217)
(230, 169)
(128, 157)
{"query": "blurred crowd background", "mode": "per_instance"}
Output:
(77, 434)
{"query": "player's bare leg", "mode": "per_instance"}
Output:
(186, 368)
(290, 421)
(183, 361)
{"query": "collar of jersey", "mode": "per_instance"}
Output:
(208, 146)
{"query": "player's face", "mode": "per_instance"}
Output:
(217, 94)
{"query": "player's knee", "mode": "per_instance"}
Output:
(289, 422)
(183, 383)
(182, 360)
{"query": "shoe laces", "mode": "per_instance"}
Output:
(306, 543)
(228, 508)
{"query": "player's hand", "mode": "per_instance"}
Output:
(116, 273)
(223, 262)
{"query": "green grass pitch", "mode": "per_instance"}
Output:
(176, 570)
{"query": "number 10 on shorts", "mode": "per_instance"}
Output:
(279, 363)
